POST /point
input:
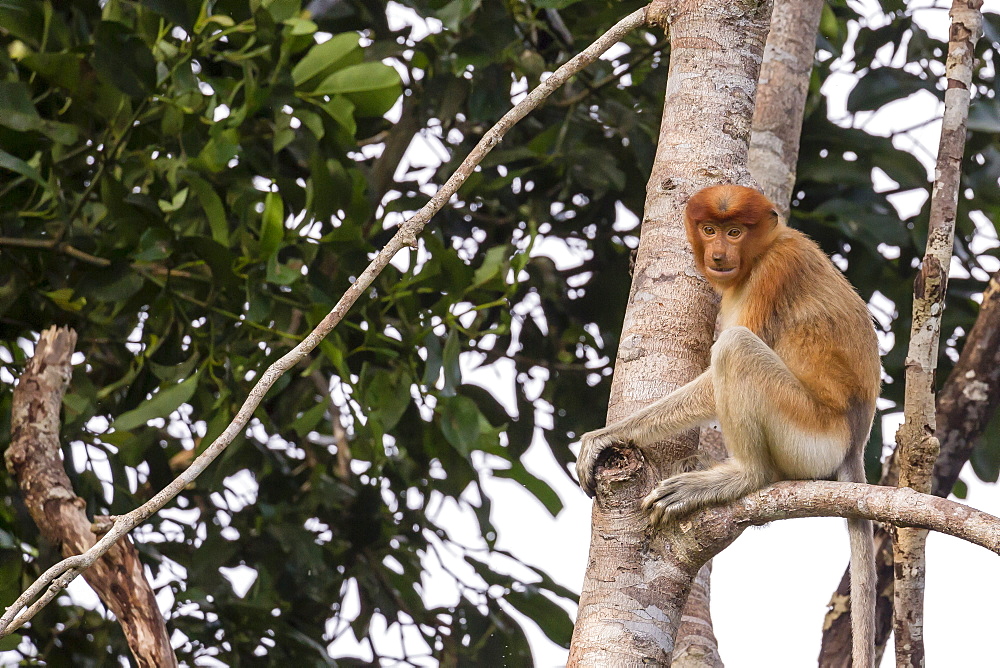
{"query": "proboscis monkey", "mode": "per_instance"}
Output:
(793, 378)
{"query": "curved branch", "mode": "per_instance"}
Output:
(707, 532)
(46, 587)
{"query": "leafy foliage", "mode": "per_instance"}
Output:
(192, 186)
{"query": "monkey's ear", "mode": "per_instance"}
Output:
(774, 218)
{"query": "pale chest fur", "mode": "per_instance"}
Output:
(731, 309)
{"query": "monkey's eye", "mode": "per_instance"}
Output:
(734, 233)
(708, 230)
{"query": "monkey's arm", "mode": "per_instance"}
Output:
(684, 408)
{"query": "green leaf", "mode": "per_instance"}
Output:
(301, 27)
(61, 133)
(212, 204)
(460, 422)
(16, 110)
(123, 59)
(64, 299)
(883, 85)
(340, 109)
(359, 78)
(280, 273)
(219, 150)
(282, 10)
(321, 60)
(181, 12)
(432, 368)
(309, 419)
(113, 284)
(449, 360)
(985, 457)
(388, 397)
(492, 265)
(9, 643)
(984, 116)
(456, 11)
(272, 225)
(160, 405)
(550, 617)
(15, 164)
(536, 486)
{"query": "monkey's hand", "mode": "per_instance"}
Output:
(592, 444)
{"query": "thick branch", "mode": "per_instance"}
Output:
(65, 571)
(633, 595)
(33, 459)
(900, 506)
(782, 88)
(916, 440)
(690, 542)
(971, 394)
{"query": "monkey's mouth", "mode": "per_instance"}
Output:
(722, 272)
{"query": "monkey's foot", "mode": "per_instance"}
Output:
(686, 492)
(592, 445)
(667, 501)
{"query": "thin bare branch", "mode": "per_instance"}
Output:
(49, 584)
(917, 443)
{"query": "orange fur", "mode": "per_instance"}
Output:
(787, 291)
(793, 379)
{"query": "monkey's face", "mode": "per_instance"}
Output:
(728, 226)
(722, 252)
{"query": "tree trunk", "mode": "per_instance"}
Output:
(33, 458)
(774, 152)
(916, 441)
(781, 98)
(634, 589)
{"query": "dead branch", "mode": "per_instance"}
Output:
(33, 458)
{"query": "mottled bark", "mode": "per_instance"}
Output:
(637, 582)
(971, 394)
(916, 441)
(774, 151)
(696, 645)
(33, 458)
(781, 98)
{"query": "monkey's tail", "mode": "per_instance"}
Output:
(862, 582)
(862, 592)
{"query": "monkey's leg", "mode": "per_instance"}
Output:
(755, 397)
(685, 407)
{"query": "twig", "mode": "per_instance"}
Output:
(916, 441)
(57, 246)
(46, 587)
